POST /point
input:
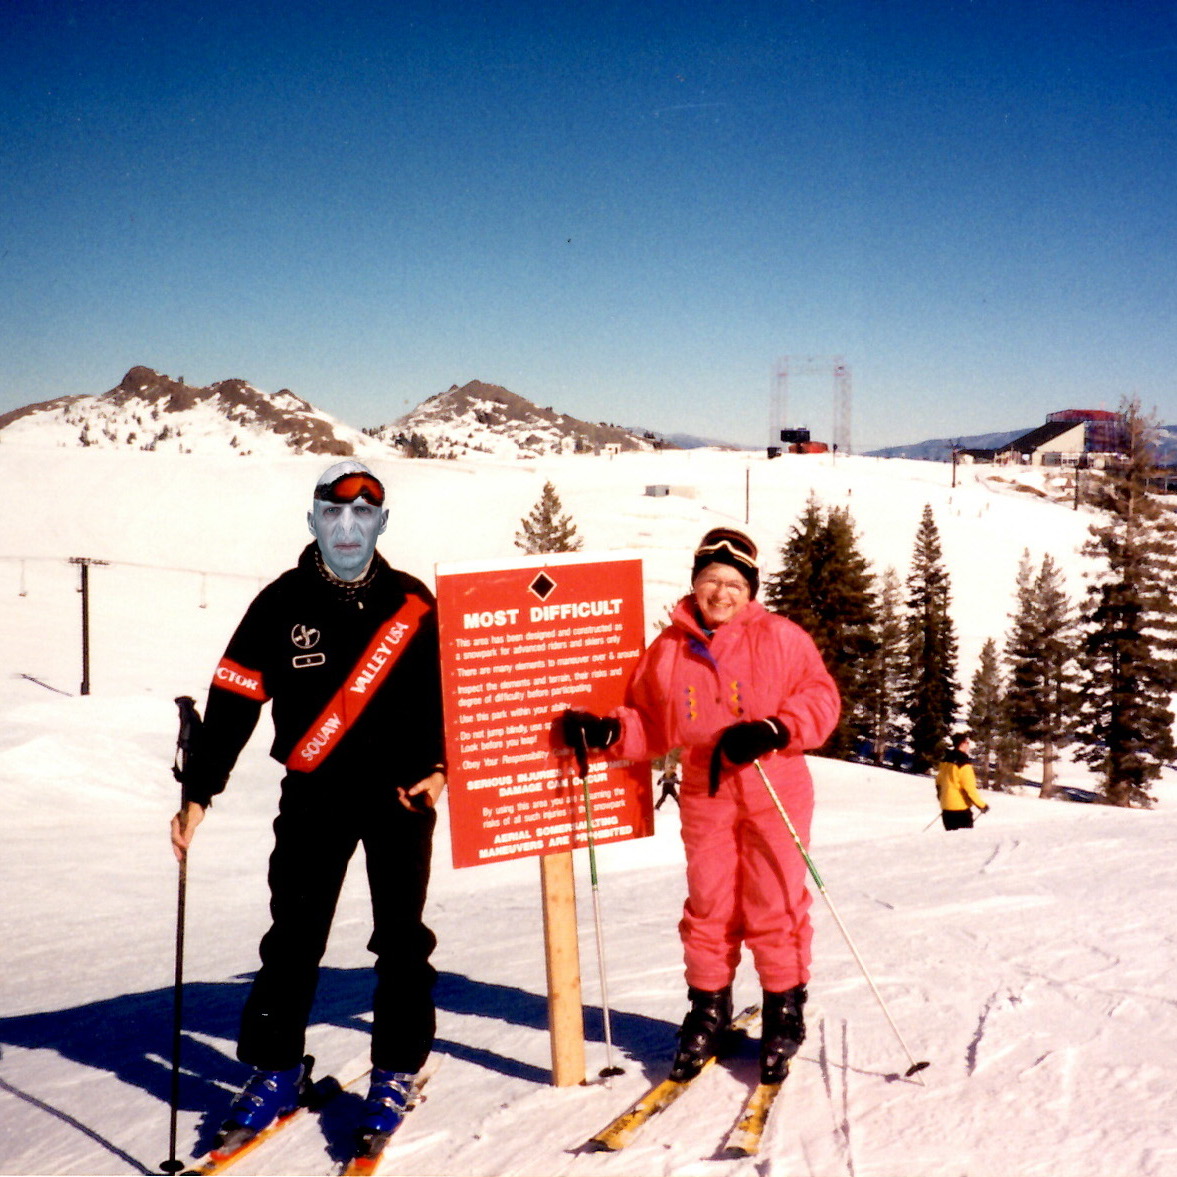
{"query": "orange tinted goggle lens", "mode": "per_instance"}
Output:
(349, 487)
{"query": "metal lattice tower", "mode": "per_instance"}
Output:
(792, 366)
(843, 407)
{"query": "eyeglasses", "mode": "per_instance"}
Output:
(724, 545)
(709, 580)
(349, 487)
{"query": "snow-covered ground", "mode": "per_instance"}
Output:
(1030, 959)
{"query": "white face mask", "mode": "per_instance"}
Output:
(346, 534)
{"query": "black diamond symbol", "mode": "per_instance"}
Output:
(543, 586)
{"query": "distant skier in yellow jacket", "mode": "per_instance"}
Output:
(956, 786)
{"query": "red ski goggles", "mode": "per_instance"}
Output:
(349, 487)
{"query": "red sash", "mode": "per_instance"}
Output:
(361, 684)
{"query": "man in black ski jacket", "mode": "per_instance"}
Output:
(346, 650)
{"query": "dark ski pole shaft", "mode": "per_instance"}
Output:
(189, 720)
(582, 764)
(172, 1165)
(915, 1068)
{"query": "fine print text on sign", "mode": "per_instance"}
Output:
(522, 641)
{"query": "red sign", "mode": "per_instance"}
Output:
(521, 642)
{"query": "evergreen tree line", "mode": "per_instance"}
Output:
(1099, 673)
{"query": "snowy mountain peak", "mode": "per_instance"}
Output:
(479, 418)
(147, 410)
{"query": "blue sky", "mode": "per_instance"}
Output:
(627, 211)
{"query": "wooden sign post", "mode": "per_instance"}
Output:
(562, 956)
(523, 641)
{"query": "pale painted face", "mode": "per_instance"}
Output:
(720, 592)
(346, 534)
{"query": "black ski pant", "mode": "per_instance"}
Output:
(321, 820)
(957, 819)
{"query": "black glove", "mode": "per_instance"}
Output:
(744, 742)
(585, 732)
(583, 729)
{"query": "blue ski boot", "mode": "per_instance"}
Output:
(266, 1097)
(384, 1109)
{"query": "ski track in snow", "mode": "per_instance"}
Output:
(838, 1099)
(1001, 853)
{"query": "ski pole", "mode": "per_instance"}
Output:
(189, 721)
(915, 1067)
(582, 764)
(172, 1164)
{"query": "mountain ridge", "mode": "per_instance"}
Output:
(939, 449)
(480, 418)
(149, 410)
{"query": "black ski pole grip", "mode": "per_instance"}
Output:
(189, 725)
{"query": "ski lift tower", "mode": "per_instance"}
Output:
(789, 367)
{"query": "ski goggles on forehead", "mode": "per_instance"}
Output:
(349, 487)
(726, 546)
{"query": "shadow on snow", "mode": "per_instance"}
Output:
(130, 1037)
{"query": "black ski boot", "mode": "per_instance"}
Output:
(782, 1033)
(702, 1030)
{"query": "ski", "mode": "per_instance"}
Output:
(744, 1139)
(228, 1151)
(370, 1152)
(622, 1130)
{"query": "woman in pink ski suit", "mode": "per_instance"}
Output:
(731, 683)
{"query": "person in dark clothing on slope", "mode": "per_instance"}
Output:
(345, 647)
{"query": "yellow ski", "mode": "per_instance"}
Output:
(622, 1130)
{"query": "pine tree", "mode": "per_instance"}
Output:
(1009, 754)
(1055, 640)
(930, 695)
(826, 587)
(793, 591)
(1040, 655)
(1128, 660)
(848, 605)
(986, 715)
(1021, 679)
(883, 681)
(545, 529)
